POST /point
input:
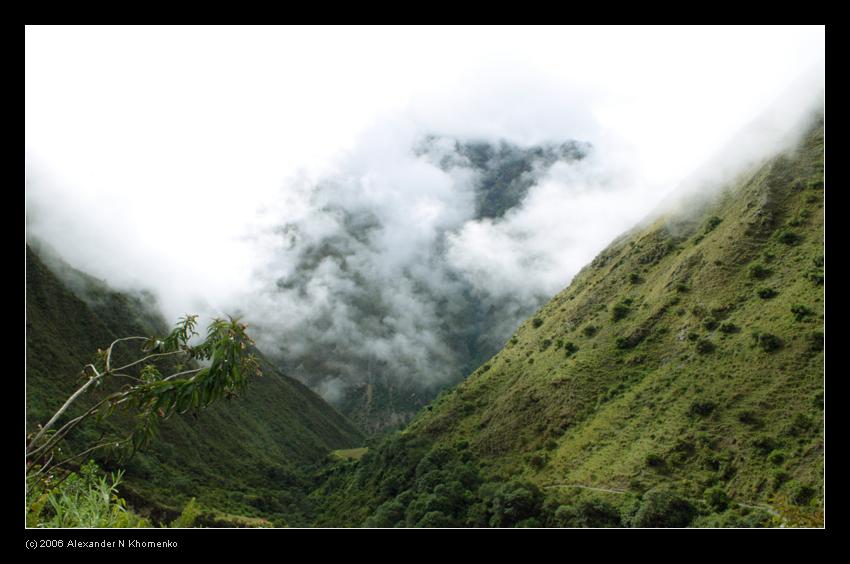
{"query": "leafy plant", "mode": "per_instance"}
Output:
(704, 346)
(590, 330)
(147, 394)
(88, 498)
(767, 293)
(801, 312)
(620, 310)
(759, 271)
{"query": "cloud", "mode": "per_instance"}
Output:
(331, 184)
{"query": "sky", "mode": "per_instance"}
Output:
(168, 158)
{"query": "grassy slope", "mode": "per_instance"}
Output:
(240, 456)
(594, 416)
(679, 390)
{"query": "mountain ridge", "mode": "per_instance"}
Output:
(683, 365)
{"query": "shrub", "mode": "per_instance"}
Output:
(702, 408)
(789, 237)
(776, 457)
(654, 460)
(704, 346)
(188, 517)
(620, 310)
(710, 323)
(545, 344)
(682, 287)
(712, 222)
(759, 271)
(764, 444)
(88, 499)
(537, 461)
(729, 328)
(570, 348)
(588, 513)
(800, 494)
(815, 276)
(664, 508)
(748, 417)
(801, 312)
(716, 498)
(513, 502)
(767, 293)
(590, 330)
(635, 278)
(435, 519)
(800, 425)
(536, 322)
(767, 342)
(778, 477)
(816, 341)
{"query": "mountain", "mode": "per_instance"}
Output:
(384, 320)
(678, 380)
(245, 457)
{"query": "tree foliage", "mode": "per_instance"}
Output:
(168, 375)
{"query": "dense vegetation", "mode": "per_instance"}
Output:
(678, 381)
(663, 387)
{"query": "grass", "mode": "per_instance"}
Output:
(681, 337)
(350, 453)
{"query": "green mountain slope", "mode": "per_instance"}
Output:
(244, 456)
(678, 380)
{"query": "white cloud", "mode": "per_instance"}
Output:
(169, 158)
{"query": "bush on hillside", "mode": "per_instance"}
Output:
(712, 223)
(759, 271)
(729, 328)
(767, 293)
(590, 330)
(513, 502)
(816, 341)
(664, 508)
(790, 237)
(800, 494)
(777, 457)
(588, 513)
(716, 498)
(570, 348)
(710, 323)
(766, 341)
(620, 310)
(702, 408)
(801, 312)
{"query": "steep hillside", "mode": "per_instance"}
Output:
(678, 380)
(242, 456)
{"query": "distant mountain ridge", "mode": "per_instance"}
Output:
(429, 324)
